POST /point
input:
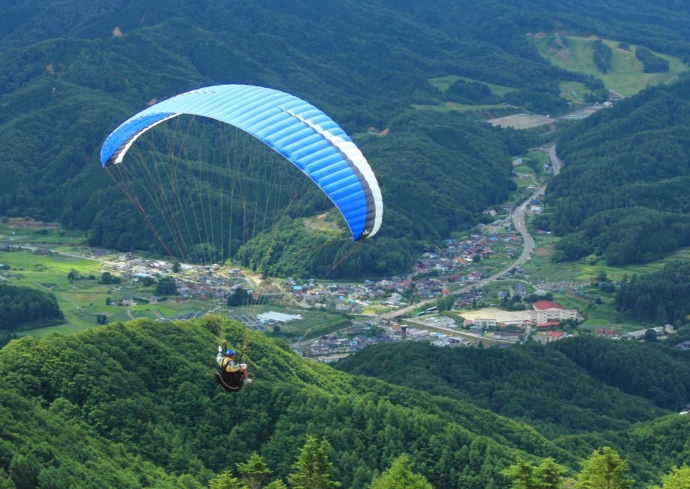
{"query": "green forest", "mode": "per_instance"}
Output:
(26, 306)
(69, 73)
(627, 166)
(135, 404)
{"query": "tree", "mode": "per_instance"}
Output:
(166, 286)
(241, 297)
(24, 471)
(5, 481)
(604, 469)
(522, 474)
(550, 474)
(225, 480)
(400, 476)
(254, 470)
(650, 335)
(445, 302)
(277, 484)
(312, 470)
(679, 478)
(148, 281)
(108, 278)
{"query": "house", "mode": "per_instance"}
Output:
(634, 335)
(446, 322)
(507, 335)
(554, 335)
(608, 332)
(453, 340)
(126, 301)
(640, 334)
(476, 329)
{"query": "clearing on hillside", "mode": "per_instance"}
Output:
(521, 121)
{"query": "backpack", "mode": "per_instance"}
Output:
(228, 381)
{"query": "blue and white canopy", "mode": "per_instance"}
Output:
(294, 128)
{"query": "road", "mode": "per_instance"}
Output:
(556, 163)
(518, 218)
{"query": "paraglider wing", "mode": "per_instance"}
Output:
(300, 132)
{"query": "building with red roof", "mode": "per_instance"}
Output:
(549, 313)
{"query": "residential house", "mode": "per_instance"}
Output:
(507, 335)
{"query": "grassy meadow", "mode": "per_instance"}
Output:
(83, 299)
(626, 77)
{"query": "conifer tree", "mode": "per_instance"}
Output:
(225, 480)
(312, 470)
(550, 474)
(254, 470)
(604, 469)
(679, 478)
(400, 476)
(522, 474)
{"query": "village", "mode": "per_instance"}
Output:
(475, 317)
(484, 307)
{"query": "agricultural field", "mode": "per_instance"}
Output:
(573, 284)
(626, 77)
(442, 83)
(17, 231)
(74, 281)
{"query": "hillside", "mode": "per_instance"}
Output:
(142, 397)
(622, 72)
(572, 386)
(618, 197)
(136, 403)
(582, 393)
(71, 73)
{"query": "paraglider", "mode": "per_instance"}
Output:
(194, 204)
(230, 376)
(297, 130)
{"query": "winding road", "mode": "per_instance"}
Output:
(518, 218)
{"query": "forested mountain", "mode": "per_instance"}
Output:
(139, 406)
(571, 386)
(621, 194)
(71, 71)
(661, 296)
(569, 390)
(136, 405)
